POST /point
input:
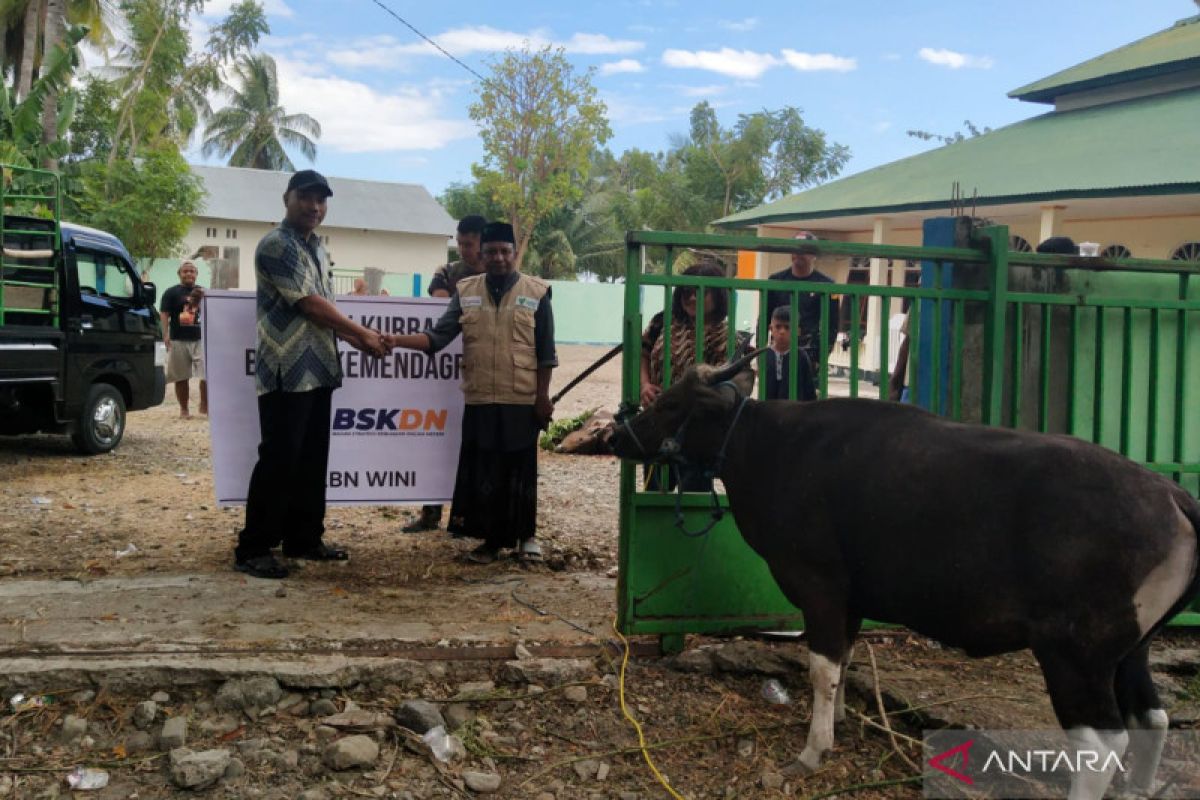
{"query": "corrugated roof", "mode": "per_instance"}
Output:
(255, 195)
(1135, 147)
(1170, 50)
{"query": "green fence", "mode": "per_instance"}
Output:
(1096, 348)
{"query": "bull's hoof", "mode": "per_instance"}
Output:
(809, 761)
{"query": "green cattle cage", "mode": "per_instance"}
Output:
(1097, 348)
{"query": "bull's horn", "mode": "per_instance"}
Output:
(727, 371)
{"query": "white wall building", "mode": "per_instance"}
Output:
(396, 228)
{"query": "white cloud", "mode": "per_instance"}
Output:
(356, 118)
(813, 62)
(600, 45)
(387, 51)
(623, 112)
(740, 26)
(701, 91)
(726, 61)
(219, 8)
(485, 39)
(624, 65)
(953, 60)
(882, 127)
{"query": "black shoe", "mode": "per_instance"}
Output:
(430, 519)
(484, 554)
(321, 552)
(262, 567)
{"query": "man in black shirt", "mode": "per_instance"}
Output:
(181, 335)
(812, 306)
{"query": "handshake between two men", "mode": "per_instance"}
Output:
(372, 342)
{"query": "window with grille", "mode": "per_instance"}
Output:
(1116, 251)
(1188, 251)
(1018, 244)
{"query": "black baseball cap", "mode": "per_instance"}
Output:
(309, 179)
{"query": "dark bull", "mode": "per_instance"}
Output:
(986, 539)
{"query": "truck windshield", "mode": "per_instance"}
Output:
(103, 274)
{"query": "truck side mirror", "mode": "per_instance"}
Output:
(149, 294)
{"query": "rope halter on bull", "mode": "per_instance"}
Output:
(671, 450)
(679, 460)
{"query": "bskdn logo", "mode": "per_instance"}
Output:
(389, 419)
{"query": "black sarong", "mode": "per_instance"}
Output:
(495, 488)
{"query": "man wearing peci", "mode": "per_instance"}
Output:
(507, 326)
(443, 284)
(296, 371)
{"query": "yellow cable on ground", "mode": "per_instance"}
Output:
(634, 722)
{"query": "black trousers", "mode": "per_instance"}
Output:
(286, 501)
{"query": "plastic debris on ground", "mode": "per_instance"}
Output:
(85, 778)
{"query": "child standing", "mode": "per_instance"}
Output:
(778, 359)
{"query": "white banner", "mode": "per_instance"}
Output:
(396, 422)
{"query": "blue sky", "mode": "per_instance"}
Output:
(863, 71)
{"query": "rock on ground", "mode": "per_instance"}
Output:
(482, 782)
(190, 770)
(576, 694)
(323, 708)
(457, 715)
(418, 716)
(351, 752)
(174, 733)
(548, 671)
(144, 714)
(73, 728)
(244, 694)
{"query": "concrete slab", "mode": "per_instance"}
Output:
(200, 627)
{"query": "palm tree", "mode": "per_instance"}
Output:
(253, 129)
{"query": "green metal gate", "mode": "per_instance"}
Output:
(1096, 348)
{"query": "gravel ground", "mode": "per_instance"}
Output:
(65, 516)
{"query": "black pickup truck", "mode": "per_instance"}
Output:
(79, 336)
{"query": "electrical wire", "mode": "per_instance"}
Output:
(637, 727)
(440, 49)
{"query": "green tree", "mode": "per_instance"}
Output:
(539, 121)
(163, 82)
(254, 129)
(147, 202)
(765, 156)
(22, 138)
(973, 130)
(464, 199)
(30, 32)
(124, 169)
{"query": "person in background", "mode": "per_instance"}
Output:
(296, 371)
(812, 306)
(1060, 245)
(185, 351)
(680, 342)
(443, 284)
(778, 358)
(507, 325)
(360, 287)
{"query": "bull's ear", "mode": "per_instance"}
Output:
(728, 371)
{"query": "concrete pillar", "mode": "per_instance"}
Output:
(1051, 222)
(882, 230)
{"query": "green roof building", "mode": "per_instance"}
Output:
(1115, 161)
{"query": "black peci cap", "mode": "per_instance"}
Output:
(498, 232)
(309, 179)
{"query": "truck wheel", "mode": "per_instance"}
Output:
(102, 421)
